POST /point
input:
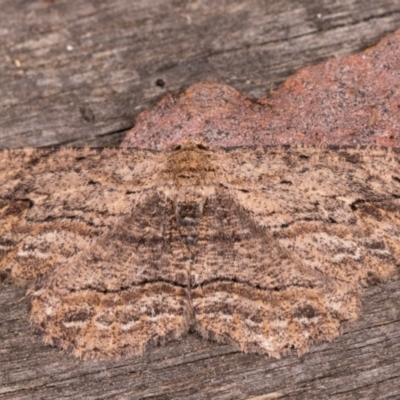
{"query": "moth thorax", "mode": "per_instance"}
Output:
(190, 164)
(188, 218)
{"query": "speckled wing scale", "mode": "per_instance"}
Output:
(266, 249)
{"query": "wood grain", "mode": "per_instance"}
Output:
(78, 75)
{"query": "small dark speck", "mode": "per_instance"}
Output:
(87, 113)
(201, 146)
(160, 83)
(395, 178)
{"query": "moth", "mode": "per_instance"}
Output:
(267, 249)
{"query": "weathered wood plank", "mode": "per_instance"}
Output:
(79, 74)
(57, 60)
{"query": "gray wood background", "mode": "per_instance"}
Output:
(78, 73)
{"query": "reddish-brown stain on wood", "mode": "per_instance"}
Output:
(343, 101)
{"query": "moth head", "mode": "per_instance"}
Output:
(190, 145)
(190, 163)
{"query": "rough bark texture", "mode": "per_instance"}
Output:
(78, 74)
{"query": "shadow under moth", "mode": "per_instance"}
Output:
(268, 249)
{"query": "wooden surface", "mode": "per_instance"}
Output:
(78, 73)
